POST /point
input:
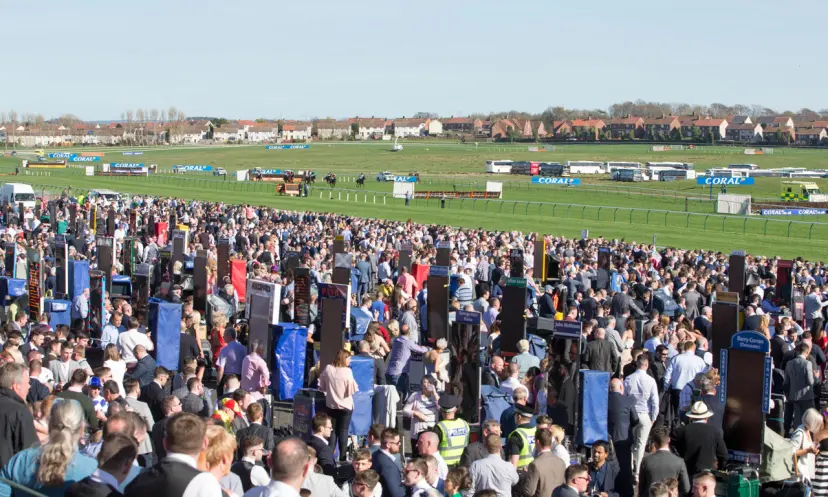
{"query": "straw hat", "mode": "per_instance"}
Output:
(699, 411)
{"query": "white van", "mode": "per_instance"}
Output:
(14, 193)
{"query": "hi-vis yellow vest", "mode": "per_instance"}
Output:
(526, 456)
(454, 438)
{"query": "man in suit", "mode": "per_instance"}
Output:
(711, 399)
(153, 394)
(752, 320)
(546, 472)
(700, 445)
(144, 368)
(621, 417)
(799, 383)
(621, 303)
(131, 393)
(64, 366)
(600, 353)
(255, 413)
(604, 472)
(115, 459)
(194, 401)
(704, 322)
(365, 275)
(322, 427)
(782, 343)
(692, 300)
(477, 450)
(662, 464)
(577, 481)
(384, 463)
(492, 374)
(171, 406)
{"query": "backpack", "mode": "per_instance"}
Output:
(493, 402)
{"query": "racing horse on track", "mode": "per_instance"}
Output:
(330, 179)
(360, 181)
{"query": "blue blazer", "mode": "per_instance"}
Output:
(389, 473)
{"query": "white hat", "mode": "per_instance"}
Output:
(699, 411)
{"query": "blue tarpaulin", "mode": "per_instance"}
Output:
(165, 325)
(289, 346)
(362, 417)
(59, 312)
(78, 277)
(594, 405)
(363, 369)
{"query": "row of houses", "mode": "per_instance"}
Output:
(731, 128)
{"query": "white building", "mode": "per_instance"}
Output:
(259, 134)
(409, 127)
(297, 131)
(228, 133)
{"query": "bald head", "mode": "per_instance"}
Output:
(289, 463)
(514, 370)
(600, 333)
(616, 385)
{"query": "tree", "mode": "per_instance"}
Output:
(695, 134)
(354, 129)
(512, 133)
(675, 135)
(630, 135)
(777, 136)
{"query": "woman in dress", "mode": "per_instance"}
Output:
(117, 366)
(337, 381)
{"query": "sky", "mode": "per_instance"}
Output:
(334, 58)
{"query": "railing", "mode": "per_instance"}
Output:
(16, 487)
(732, 224)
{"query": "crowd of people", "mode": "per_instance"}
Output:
(205, 427)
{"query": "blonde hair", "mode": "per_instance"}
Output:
(393, 328)
(557, 433)
(111, 352)
(220, 443)
(65, 428)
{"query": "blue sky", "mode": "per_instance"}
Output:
(319, 58)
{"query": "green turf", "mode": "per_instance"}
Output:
(606, 205)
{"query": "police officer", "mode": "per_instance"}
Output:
(453, 432)
(520, 447)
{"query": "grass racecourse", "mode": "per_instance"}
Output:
(675, 213)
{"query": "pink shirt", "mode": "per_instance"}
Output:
(339, 387)
(408, 283)
(255, 375)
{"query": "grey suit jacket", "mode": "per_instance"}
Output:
(799, 379)
(543, 475)
(143, 410)
(60, 379)
(692, 298)
(660, 465)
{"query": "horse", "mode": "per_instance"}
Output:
(330, 179)
(361, 181)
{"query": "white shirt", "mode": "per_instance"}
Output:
(127, 342)
(258, 475)
(274, 489)
(101, 476)
(203, 485)
(46, 377)
(509, 385)
(117, 369)
(442, 467)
